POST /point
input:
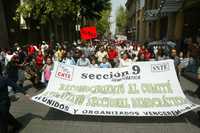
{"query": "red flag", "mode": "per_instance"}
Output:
(88, 33)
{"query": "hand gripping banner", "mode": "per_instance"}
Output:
(143, 89)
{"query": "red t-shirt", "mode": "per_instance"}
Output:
(147, 56)
(31, 50)
(39, 60)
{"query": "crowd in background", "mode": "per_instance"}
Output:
(35, 61)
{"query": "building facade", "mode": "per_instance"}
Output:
(164, 19)
(131, 23)
(56, 30)
(170, 19)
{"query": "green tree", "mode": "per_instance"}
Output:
(42, 10)
(93, 8)
(121, 20)
(103, 25)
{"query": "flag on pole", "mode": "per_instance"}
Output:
(88, 33)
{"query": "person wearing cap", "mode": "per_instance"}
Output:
(5, 116)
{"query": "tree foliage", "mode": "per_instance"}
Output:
(41, 10)
(121, 20)
(94, 8)
(103, 25)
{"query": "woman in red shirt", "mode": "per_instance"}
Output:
(39, 60)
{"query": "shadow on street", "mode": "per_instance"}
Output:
(191, 117)
(25, 119)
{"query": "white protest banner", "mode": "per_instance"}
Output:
(143, 89)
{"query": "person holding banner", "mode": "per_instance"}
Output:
(105, 63)
(68, 59)
(5, 117)
(47, 69)
(125, 61)
(93, 63)
(83, 61)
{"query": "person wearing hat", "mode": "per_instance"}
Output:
(5, 116)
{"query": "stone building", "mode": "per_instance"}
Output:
(170, 19)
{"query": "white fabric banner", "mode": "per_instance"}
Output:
(143, 89)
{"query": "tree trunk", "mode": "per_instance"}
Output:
(3, 27)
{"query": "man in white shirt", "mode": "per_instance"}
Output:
(101, 54)
(125, 61)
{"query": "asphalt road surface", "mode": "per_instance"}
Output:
(38, 118)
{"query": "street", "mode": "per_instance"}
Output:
(101, 60)
(38, 118)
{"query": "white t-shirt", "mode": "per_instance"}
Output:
(8, 58)
(100, 55)
(125, 63)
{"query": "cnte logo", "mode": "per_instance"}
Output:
(65, 72)
(160, 67)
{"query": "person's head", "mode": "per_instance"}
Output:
(146, 50)
(188, 54)
(93, 61)
(68, 54)
(19, 49)
(101, 49)
(181, 54)
(189, 41)
(104, 60)
(77, 53)
(83, 56)
(173, 52)
(49, 61)
(160, 52)
(113, 47)
(39, 52)
(125, 55)
(15, 58)
(143, 47)
(141, 56)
